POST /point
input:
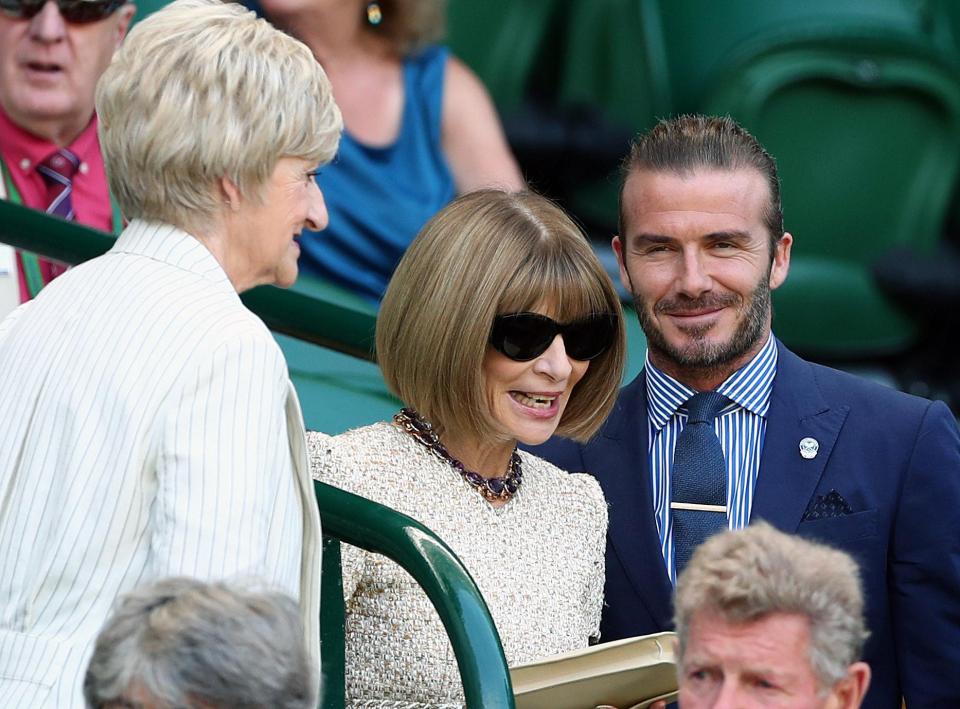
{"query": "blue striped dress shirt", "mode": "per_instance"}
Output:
(740, 427)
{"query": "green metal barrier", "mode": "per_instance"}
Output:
(379, 529)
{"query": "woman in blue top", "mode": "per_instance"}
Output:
(419, 128)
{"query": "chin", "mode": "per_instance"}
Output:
(535, 437)
(286, 278)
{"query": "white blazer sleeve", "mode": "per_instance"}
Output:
(227, 501)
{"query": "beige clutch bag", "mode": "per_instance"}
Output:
(629, 674)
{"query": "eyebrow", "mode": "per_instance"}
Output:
(652, 238)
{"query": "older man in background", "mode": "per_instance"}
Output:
(183, 643)
(148, 426)
(51, 56)
(765, 619)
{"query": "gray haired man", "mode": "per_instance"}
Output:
(766, 619)
(184, 644)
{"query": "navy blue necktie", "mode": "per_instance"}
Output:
(698, 481)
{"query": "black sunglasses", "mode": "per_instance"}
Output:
(75, 11)
(525, 336)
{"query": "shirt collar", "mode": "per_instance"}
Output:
(166, 243)
(23, 150)
(749, 387)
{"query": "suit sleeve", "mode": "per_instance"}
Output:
(227, 503)
(925, 573)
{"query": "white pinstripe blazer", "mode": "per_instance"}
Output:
(148, 428)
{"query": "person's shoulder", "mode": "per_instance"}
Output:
(361, 440)
(870, 408)
(578, 485)
(352, 460)
(855, 391)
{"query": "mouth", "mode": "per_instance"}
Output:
(699, 312)
(43, 67)
(537, 404)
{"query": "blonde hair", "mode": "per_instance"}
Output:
(745, 575)
(490, 253)
(409, 25)
(202, 90)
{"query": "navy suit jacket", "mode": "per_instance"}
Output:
(894, 458)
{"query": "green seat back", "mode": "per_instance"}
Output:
(867, 140)
(501, 40)
(702, 38)
(448, 585)
(614, 59)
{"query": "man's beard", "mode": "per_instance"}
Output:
(699, 354)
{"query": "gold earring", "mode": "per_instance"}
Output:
(374, 13)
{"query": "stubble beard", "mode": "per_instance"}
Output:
(699, 356)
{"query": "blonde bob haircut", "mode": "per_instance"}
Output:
(490, 253)
(202, 90)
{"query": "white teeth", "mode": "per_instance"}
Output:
(536, 402)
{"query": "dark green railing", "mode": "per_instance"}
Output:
(311, 311)
(368, 525)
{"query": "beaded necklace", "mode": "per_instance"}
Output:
(492, 489)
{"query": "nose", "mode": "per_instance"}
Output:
(554, 361)
(317, 217)
(728, 697)
(48, 25)
(693, 279)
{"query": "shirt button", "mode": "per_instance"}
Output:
(84, 168)
(25, 164)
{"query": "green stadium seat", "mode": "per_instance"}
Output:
(501, 40)
(702, 39)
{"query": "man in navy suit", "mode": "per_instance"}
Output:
(811, 450)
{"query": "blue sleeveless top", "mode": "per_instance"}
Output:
(378, 198)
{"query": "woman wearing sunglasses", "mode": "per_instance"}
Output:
(499, 327)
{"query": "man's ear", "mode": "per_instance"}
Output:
(781, 261)
(124, 18)
(617, 244)
(849, 692)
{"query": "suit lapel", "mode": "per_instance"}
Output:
(786, 480)
(619, 460)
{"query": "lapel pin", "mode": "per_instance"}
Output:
(809, 448)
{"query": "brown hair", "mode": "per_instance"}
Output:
(489, 253)
(690, 142)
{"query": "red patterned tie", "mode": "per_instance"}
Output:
(58, 170)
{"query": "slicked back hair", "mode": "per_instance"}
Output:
(688, 143)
